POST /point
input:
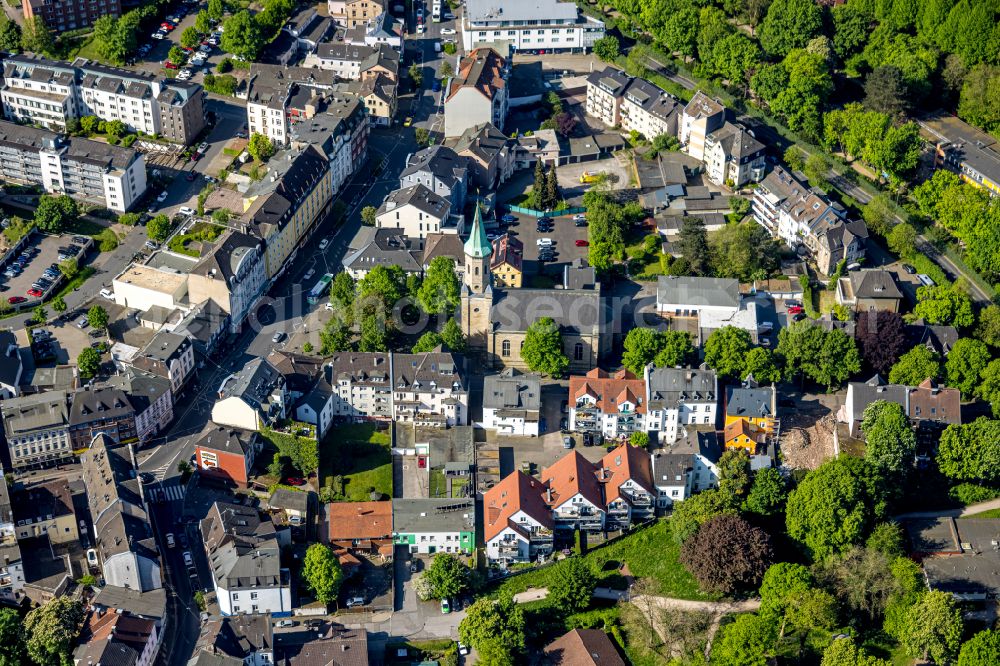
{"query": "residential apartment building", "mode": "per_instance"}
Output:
(117, 637)
(100, 410)
(169, 356)
(11, 566)
(573, 494)
(227, 454)
(869, 289)
(491, 157)
(244, 553)
(425, 389)
(802, 216)
(285, 206)
(112, 176)
(46, 510)
(378, 91)
(478, 92)
(679, 399)
(429, 526)
(439, 169)
(233, 274)
(244, 639)
(383, 247)
(36, 428)
(340, 133)
(351, 13)
(507, 262)
(354, 61)
(927, 405)
(252, 398)
(151, 400)
(277, 96)
(123, 534)
(626, 477)
(512, 403)
(733, 156)
(50, 93)
(751, 417)
(517, 523)
(611, 403)
(968, 151)
(416, 211)
(702, 116)
(688, 466)
(548, 25)
(62, 15)
(381, 30)
(633, 104)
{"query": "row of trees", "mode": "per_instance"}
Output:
(608, 222)
(247, 34)
(745, 251)
(46, 635)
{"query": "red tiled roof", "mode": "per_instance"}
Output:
(610, 389)
(481, 69)
(624, 463)
(507, 250)
(570, 475)
(517, 492)
(583, 647)
(359, 520)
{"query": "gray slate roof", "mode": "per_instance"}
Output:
(513, 389)
(433, 515)
(669, 387)
(698, 291)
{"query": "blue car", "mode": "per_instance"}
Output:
(509, 218)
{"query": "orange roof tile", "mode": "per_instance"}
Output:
(624, 463)
(359, 520)
(516, 492)
(610, 389)
(570, 475)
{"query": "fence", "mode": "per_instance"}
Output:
(550, 213)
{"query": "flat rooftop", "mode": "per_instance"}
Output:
(152, 278)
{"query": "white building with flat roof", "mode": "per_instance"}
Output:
(527, 25)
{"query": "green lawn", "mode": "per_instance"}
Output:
(649, 553)
(360, 453)
(439, 485)
(992, 513)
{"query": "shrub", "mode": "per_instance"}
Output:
(972, 493)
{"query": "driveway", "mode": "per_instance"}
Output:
(564, 236)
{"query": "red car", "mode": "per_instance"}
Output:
(14, 300)
(296, 481)
(582, 243)
(170, 65)
(794, 309)
(37, 293)
(167, 26)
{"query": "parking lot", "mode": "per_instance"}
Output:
(564, 234)
(65, 342)
(46, 252)
(152, 56)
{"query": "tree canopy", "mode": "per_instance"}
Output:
(890, 442)
(447, 576)
(322, 573)
(543, 348)
(971, 452)
(726, 350)
(727, 554)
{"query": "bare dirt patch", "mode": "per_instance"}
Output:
(808, 444)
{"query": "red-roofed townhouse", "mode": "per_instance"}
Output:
(573, 493)
(629, 493)
(517, 524)
(611, 403)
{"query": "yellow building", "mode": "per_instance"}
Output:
(751, 415)
(284, 206)
(506, 262)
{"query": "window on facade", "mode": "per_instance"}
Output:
(505, 348)
(578, 352)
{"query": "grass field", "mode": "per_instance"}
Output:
(649, 553)
(991, 513)
(359, 453)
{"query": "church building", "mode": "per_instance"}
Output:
(495, 320)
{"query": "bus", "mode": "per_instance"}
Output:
(321, 288)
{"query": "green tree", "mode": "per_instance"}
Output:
(934, 628)
(368, 215)
(886, 91)
(735, 57)
(427, 342)
(607, 48)
(322, 573)
(744, 251)
(816, 169)
(447, 576)
(727, 554)
(980, 97)
(768, 493)
(886, 538)
(572, 585)
(89, 124)
(760, 363)
(10, 35)
(902, 240)
(845, 652)
(695, 511)
(890, 443)
(439, 292)
(416, 75)
(971, 452)
(452, 337)
(215, 9)
(36, 36)
(374, 335)
(745, 642)
(989, 388)
(52, 629)
(342, 288)
(97, 317)
(734, 476)
(879, 215)
(55, 213)
(965, 364)
(945, 305)
(675, 348)
(242, 36)
(190, 37)
(915, 366)
(833, 507)
(551, 199)
(497, 623)
(202, 22)
(639, 439)
(692, 242)
(59, 304)
(177, 55)
(640, 347)
(158, 228)
(543, 348)
(726, 350)
(88, 362)
(781, 584)
(988, 329)
(13, 651)
(39, 315)
(260, 147)
(980, 650)
(381, 288)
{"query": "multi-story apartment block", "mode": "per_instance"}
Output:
(751, 416)
(548, 25)
(112, 176)
(11, 567)
(801, 216)
(478, 92)
(619, 100)
(517, 523)
(167, 355)
(688, 466)
(353, 61)
(573, 494)
(278, 96)
(50, 93)
(254, 397)
(285, 206)
(679, 397)
(352, 13)
(439, 169)
(227, 454)
(416, 211)
(611, 403)
(123, 534)
(104, 410)
(233, 274)
(435, 525)
(150, 397)
(702, 116)
(379, 92)
(37, 429)
(47, 510)
(244, 552)
(512, 403)
(362, 386)
(733, 156)
(626, 478)
(340, 133)
(62, 15)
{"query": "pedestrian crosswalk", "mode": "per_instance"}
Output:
(171, 491)
(161, 472)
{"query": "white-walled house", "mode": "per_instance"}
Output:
(680, 397)
(416, 211)
(573, 493)
(478, 93)
(512, 402)
(688, 466)
(517, 524)
(435, 525)
(252, 398)
(610, 403)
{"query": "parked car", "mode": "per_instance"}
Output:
(445, 606)
(296, 481)
(910, 270)
(277, 337)
(152, 245)
(186, 211)
(544, 242)
(14, 300)
(35, 293)
(447, 31)
(509, 218)
(579, 216)
(82, 322)
(582, 243)
(170, 540)
(355, 602)
(188, 560)
(191, 175)
(162, 196)
(285, 623)
(170, 65)
(309, 273)
(108, 294)
(323, 243)
(567, 442)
